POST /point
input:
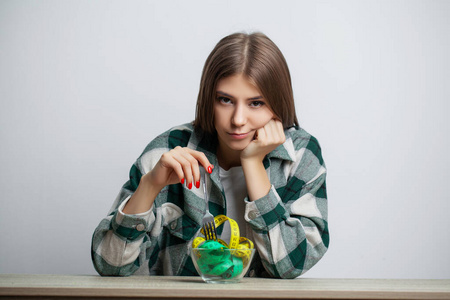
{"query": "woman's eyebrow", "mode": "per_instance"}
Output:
(224, 94)
(230, 96)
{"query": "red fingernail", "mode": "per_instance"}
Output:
(190, 185)
(209, 169)
(197, 184)
(182, 180)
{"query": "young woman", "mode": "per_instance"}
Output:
(264, 171)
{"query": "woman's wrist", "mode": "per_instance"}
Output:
(148, 183)
(144, 196)
(258, 183)
(252, 161)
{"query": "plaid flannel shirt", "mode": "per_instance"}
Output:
(288, 226)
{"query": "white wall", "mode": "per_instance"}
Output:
(85, 85)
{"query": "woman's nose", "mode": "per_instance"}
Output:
(239, 117)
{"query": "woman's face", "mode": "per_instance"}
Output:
(239, 110)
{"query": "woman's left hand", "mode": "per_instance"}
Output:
(266, 140)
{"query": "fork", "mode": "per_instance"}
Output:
(208, 225)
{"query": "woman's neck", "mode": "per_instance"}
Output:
(228, 158)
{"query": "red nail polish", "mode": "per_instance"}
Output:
(190, 185)
(197, 184)
(209, 169)
(182, 180)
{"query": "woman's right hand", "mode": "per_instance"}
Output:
(177, 165)
(180, 164)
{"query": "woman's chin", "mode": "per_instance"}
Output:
(238, 146)
(235, 144)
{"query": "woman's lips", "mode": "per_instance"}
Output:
(238, 136)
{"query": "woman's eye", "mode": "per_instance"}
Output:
(256, 103)
(224, 100)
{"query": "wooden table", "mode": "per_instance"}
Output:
(16, 286)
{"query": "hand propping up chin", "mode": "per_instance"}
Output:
(266, 140)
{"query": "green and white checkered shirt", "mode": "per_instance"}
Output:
(288, 226)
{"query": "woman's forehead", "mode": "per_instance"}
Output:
(238, 84)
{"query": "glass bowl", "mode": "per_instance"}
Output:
(222, 265)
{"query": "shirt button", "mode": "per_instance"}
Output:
(252, 215)
(173, 225)
(140, 227)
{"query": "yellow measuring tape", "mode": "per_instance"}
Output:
(240, 246)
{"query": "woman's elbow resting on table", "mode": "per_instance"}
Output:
(103, 268)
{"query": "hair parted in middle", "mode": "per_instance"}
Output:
(261, 61)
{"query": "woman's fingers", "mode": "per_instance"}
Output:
(171, 161)
(267, 138)
(272, 133)
(187, 166)
(202, 159)
(275, 132)
(198, 159)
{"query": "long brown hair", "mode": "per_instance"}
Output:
(257, 57)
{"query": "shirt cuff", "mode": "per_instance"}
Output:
(134, 226)
(266, 212)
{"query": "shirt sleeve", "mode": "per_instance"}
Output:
(290, 227)
(118, 242)
(124, 244)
